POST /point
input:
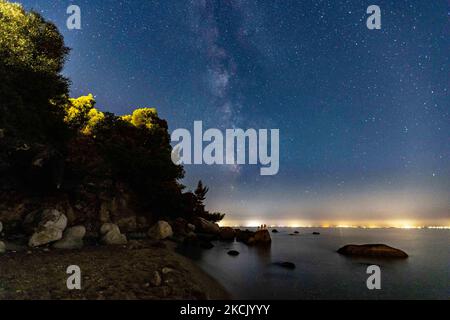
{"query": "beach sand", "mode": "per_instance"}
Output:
(115, 273)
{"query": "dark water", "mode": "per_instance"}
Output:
(321, 273)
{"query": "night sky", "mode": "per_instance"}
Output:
(364, 115)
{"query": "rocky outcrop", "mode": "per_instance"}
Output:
(48, 226)
(72, 238)
(111, 235)
(372, 250)
(260, 237)
(160, 231)
(205, 226)
(227, 234)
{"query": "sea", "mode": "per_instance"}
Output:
(322, 273)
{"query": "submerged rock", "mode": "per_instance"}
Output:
(316, 233)
(286, 265)
(233, 253)
(160, 231)
(72, 238)
(227, 234)
(372, 250)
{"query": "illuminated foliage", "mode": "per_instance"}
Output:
(82, 115)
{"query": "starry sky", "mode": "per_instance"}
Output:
(364, 115)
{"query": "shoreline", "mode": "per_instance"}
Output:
(107, 273)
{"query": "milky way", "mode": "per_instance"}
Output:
(363, 114)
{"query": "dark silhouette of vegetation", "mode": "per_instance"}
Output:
(51, 144)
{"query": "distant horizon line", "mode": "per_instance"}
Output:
(440, 227)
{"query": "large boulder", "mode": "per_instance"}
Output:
(205, 226)
(111, 235)
(160, 231)
(372, 250)
(260, 237)
(72, 238)
(48, 227)
(244, 235)
(180, 226)
(227, 234)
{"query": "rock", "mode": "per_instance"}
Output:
(262, 237)
(107, 227)
(372, 250)
(72, 238)
(286, 265)
(190, 227)
(49, 218)
(127, 224)
(167, 270)
(233, 253)
(160, 231)
(111, 235)
(2, 247)
(275, 231)
(205, 226)
(227, 234)
(179, 226)
(316, 233)
(45, 236)
(296, 232)
(156, 279)
(50, 225)
(244, 236)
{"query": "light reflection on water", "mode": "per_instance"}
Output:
(321, 273)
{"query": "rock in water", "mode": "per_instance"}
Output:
(2, 247)
(262, 237)
(233, 253)
(49, 228)
(205, 226)
(316, 233)
(372, 250)
(72, 238)
(275, 231)
(227, 234)
(160, 231)
(111, 235)
(286, 265)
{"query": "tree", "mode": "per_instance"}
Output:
(32, 55)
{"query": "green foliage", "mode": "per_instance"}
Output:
(32, 54)
(81, 114)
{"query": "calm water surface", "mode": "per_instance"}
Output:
(321, 273)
